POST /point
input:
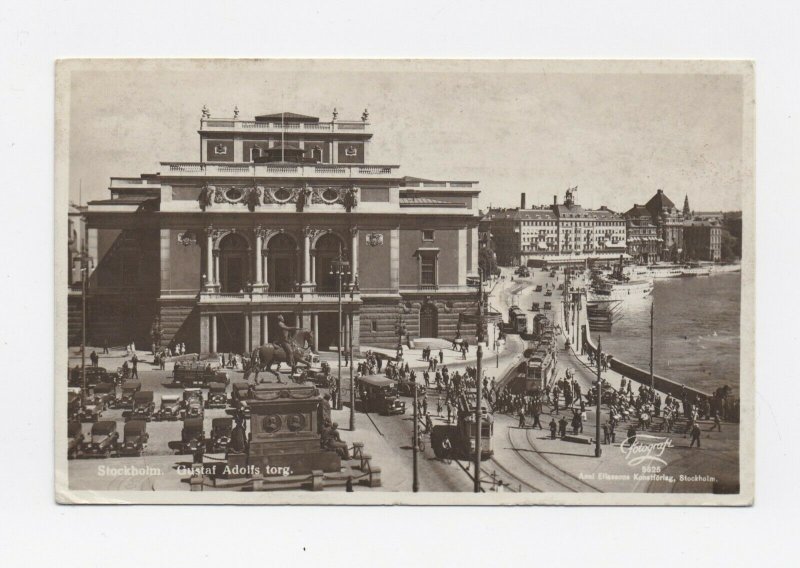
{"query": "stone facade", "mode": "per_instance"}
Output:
(212, 252)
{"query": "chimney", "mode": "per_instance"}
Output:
(555, 200)
(522, 201)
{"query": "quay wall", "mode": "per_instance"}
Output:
(638, 375)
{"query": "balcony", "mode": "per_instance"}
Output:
(226, 125)
(203, 169)
(264, 297)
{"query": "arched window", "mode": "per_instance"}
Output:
(281, 263)
(234, 265)
(326, 251)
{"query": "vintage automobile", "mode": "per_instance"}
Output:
(240, 392)
(547, 306)
(379, 394)
(538, 287)
(548, 292)
(89, 411)
(134, 438)
(143, 406)
(535, 307)
(220, 434)
(74, 401)
(197, 374)
(94, 375)
(170, 409)
(192, 403)
(129, 388)
(103, 440)
(74, 439)
(217, 397)
(105, 394)
(192, 436)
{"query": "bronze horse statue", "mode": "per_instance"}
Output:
(262, 358)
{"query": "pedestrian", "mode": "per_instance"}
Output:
(441, 358)
(105, 346)
(562, 427)
(695, 432)
(536, 411)
(631, 435)
(553, 428)
(94, 358)
(428, 423)
(717, 423)
(521, 419)
(606, 434)
(439, 406)
(134, 367)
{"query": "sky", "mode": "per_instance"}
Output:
(618, 131)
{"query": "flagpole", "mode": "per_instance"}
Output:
(283, 130)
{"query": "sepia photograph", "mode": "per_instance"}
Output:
(483, 282)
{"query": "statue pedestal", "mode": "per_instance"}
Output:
(284, 428)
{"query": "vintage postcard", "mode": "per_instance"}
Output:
(405, 282)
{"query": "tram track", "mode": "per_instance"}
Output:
(567, 474)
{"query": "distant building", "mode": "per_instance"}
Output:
(669, 222)
(556, 234)
(702, 240)
(644, 244)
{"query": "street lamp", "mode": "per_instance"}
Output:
(339, 268)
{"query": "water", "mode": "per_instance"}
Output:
(696, 331)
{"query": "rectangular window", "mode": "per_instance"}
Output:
(427, 235)
(374, 326)
(428, 270)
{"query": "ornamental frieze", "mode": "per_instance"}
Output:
(249, 196)
(302, 196)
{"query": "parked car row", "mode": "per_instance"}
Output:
(104, 442)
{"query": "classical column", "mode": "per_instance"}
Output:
(265, 327)
(255, 330)
(260, 233)
(213, 333)
(313, 268)
(353, 254)
(307, 233)
(247, 344)
(315, 330)
(259, 243)
(216, 268)
(210, 256)
(205, 339)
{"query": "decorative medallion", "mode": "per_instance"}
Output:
(271, 423)
(187, 238)
(374, 239)
(329, 195)
(280, 195)
(296, 422)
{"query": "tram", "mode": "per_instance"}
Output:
(458, 441)
(517, 320)
(539, 371)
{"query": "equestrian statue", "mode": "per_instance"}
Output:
(292, 346)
